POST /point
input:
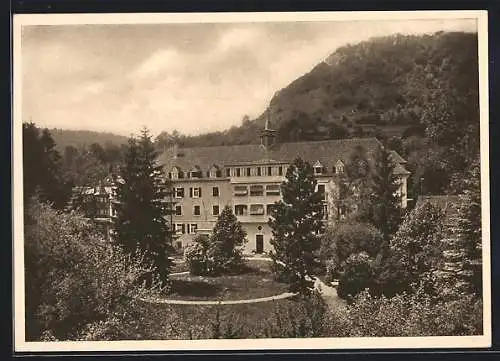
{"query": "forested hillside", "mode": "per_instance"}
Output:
(81, 138)
(382, 85)
(420, 91)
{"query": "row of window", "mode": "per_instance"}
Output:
(176, 173)
(197, 210)
(255, 171)
(249, 171)
(239, 191)
(188, 228)
(193, 192)
(239, 210)
(257, 190)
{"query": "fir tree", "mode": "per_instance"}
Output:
(141, 207)
(226, 241)
(384, 200)
(463, 252)
(297, 224)
(42, 168)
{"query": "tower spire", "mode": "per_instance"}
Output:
(268, 116)
(268, 134)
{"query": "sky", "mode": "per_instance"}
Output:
(193, 78)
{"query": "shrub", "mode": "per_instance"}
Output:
(358, 275)
(305, 319)
(75, 279)
(406, 314)
(197, 256)
(345, 239)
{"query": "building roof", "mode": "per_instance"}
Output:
(327, 152)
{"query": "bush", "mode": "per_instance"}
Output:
(306, 319)
(197, 256)
(414, 314)
(75, 281)
(358, 275)
(345, 239)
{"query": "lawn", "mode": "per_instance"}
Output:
(257, 320)
(257, 282)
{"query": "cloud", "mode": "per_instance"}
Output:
(160, 62)
(191, 77)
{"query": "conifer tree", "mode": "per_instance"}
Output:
(385, 202)
(42, 168)
(226, 241)
(141, 207)
(297, 224)
(463, 249)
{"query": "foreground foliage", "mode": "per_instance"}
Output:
(406, 314)
(77, 285)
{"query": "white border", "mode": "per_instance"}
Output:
(20, 345)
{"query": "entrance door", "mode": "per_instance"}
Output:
(259, 243)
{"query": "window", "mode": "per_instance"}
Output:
(273, 190)
(240, 191)
(181, 174)
(321, 189)
(269, 171)
(196, 210)
(178, 210)
(169, 175)
(188, 228)
(318, 168)
(228, 172)
(179, 244)
(258, 172)
(238, 172)
(195, 192)
(339, 167)
(325, 211)
(215, 191)
(256, 209)
(270, 208)
(256, 190)
(196, 173)
(280, 170)
(248, 172)
(240, 209)
(194, 227)
(179, 192)
(180, 228)
(215, 210)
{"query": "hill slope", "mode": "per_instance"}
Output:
(382, 82)
(79, 138)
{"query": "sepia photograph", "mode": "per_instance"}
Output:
(234, 181)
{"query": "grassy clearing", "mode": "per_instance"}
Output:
(160, 321)
(256, 282)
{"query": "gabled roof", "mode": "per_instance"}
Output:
(328, 152)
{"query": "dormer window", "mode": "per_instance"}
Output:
(339, 167)
(195, 172)
(214, 172)
(318, 168)
(175, 173)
